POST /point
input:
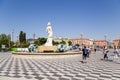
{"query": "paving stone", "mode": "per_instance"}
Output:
(93, 75)
(105, 76)
(64, 78)
(116, 76)
(77, 78)
(51, 78)
(90, 78)
(39, 78)
(101, 78)
(97, 73)
(81, 75)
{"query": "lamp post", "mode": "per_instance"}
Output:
(13, 35)
(34, 37)
(9, 37)
(17, 41)
(81, 34)
(105, 38)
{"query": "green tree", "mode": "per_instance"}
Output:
(77, 45)
(22, 38)
(69, 43)
(63, 42)
(40, 41)
(4, 40)
(37, 42)
(11, 44)
(55, 42)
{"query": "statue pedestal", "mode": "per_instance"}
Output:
(46, 48)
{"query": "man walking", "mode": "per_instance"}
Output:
(85, 53)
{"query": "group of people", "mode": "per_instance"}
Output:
(115, 54)
(87, 51)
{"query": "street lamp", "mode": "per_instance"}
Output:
(81, 34)
(9, 37)
(13, 35)
(105, 38)
(17, 41)
(34, 37)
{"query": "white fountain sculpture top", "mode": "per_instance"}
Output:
(50, 35)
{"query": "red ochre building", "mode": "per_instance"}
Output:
(116, 43)
(80, 41)
(88, 42)
(101, 43)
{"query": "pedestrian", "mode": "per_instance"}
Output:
(89, 52)
(116, 55)
(105, 51)
(84, 54)
(95, 50)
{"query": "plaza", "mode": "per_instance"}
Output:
(58, 67)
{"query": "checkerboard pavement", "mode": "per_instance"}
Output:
(57, 67)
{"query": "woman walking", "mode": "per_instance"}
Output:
(105, 51)
(116, 53)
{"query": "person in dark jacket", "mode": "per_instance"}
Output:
(85, 53)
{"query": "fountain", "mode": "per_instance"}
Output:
(48, 47)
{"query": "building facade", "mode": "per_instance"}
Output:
(80, 41)
(116, 43)
(100, 43)
(89, 42)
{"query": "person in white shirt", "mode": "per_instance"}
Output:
(105, 51)
(116, 53)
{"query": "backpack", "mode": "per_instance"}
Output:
(86, 51)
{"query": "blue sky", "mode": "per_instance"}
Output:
(69, 18)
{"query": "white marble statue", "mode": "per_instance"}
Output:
(50, 35)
